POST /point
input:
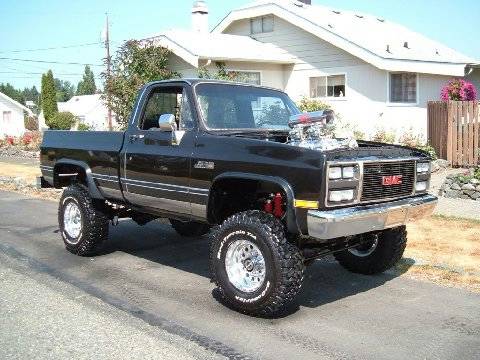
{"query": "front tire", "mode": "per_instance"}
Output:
(83, 225)
(378, 253)
(256, 270)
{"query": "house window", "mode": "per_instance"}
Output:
(403, 88)
(327, 86)
(261, 24)
(249, 77)
(7, 116)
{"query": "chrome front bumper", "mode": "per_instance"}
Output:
(355, 220)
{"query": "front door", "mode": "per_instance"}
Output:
(156, 171)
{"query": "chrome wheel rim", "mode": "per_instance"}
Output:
(245, 266)
(72, 220)
(366, 248)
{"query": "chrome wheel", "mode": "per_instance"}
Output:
(245, 265)
(72, 220)
(366, 248)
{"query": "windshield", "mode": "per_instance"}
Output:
(225, 107)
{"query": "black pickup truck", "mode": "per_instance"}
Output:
(275, 187)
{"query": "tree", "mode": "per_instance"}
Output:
(64, 90)
(31, 94)
(49, 102)
(87, 85)
(135, 63)
(12, 93)
(62, 121)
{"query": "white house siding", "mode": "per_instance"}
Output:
(270, 74)
(14, 126)
(365, 105)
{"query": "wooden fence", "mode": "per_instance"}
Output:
(453, 130)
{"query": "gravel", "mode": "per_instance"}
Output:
(14, 151)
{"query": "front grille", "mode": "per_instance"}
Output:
(373, 190)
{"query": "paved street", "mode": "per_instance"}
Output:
(148, 295)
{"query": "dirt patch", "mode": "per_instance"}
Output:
(22, 178)
(444, 250)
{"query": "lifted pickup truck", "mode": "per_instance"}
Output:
(276, 187)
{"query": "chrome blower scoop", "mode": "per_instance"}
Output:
(316, 131)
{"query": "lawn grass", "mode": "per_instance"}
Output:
(445, 250)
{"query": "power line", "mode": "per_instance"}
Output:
(48, 62)
(50, 48)
(19, 72)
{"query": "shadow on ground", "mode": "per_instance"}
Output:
(325, 280)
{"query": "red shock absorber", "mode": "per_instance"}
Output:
(278, 205)
(268, 207)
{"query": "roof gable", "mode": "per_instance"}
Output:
(384, 44)
(193, 46)
(15, 103)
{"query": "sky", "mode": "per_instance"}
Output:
(73, 28)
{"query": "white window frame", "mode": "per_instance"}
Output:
(403, 104)
(247, 71)
(250, 71)
(326, 97)
(261, 18)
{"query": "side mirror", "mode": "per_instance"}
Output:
(166, 122)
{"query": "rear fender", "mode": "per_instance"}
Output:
(92, 187)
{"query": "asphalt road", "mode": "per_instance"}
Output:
(148, 293)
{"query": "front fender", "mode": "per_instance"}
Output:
(291, 218)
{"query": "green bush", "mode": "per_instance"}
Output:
(62, 121)
(310, 105)
(383, 136)
(430, 150)
(84, 127)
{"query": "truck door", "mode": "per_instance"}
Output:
(156, 161)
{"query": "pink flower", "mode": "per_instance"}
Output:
(459, 90)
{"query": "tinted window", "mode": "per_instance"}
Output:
(244, 107)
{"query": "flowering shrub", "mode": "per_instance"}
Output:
(460, 90)
(27, 138)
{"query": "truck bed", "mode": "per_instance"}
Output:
(96, 150)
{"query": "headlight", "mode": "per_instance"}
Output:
(423, 167)
(335, 173)
(421, 186)
(341, 195)
(348, 172)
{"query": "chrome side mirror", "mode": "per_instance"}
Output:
(166, 122)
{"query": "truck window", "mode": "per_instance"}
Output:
(224, 106)
(167, 101)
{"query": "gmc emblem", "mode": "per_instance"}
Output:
(391, 180)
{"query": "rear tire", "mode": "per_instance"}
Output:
(189, 228)
(83, 225)
(257, 271)
(378, 254)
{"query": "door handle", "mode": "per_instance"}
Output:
(135, 137)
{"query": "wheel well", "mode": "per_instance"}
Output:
(67, 174)
(232, 195)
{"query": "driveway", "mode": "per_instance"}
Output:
(151, 276)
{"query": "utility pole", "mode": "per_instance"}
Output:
(107, 47)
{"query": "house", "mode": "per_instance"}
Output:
(376, 74)
(89, 109)
(12, 115)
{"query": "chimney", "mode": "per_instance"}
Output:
(200, 16)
